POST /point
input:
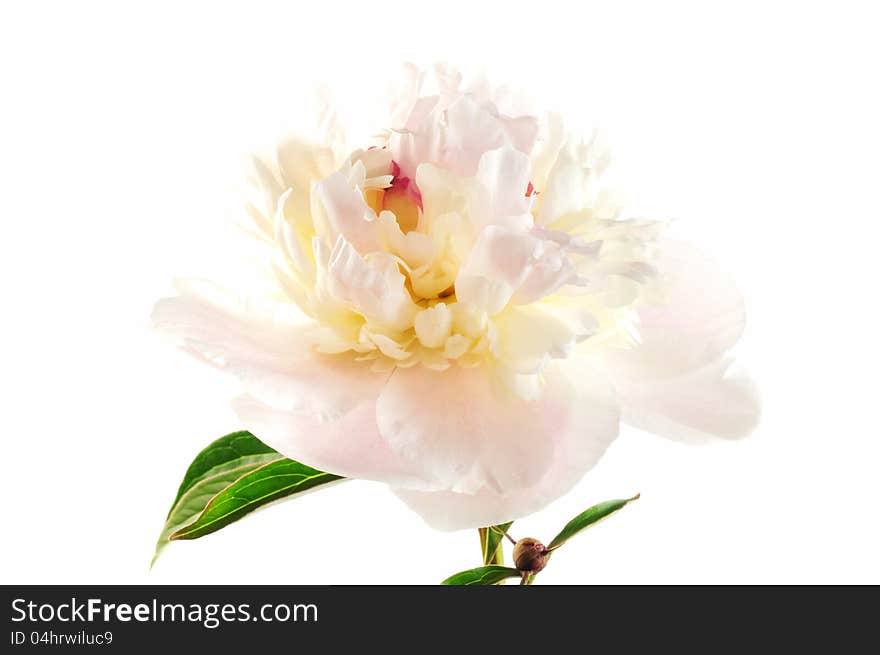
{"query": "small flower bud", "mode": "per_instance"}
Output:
(529, 555)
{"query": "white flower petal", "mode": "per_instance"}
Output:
(443, 193)
(549, 271)
(349, 445)
(414, 248)
(375, 288)
(577, 418)
(300, 163)
(469, 433)
(521, 131)
(456, 346)
(340, 209)
(455, 132)
(677, 382)
(566, 188)
(420, 139)
(376, 162)
(717, 400)
(697, 316)
(266, 350)
(433, 325)
(462, 430)
(529, 337)
(504, 262)
(293, 234)
(470, 131)
(263, 177)
(504, 174)
(498, 263)
(546, 150)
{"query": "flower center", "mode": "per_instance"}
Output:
(402, 198)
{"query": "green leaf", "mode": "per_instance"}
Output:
(214, 470)
(587, 518)
(482, 575)
(491, 538)
(270, 482)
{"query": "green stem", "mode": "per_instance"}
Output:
(498, 558)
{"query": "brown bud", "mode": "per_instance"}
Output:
(529, 555)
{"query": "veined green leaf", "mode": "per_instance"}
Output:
(215, 468)
(482, 575)
(490, 540)
(589, 517)
(268, 483)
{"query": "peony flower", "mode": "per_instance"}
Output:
(462, 313)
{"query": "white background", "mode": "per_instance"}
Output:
(123, 128)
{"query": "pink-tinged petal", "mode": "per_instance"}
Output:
(420, 139)
(507, 264)
(471, 130)
(375, 288)
(404, 93)
(421, 111)
(469, 433)
(266, 351)
(499, 262)
(717, 400)
(443, 193)
(463, 430)
(447, 79)
(677, 381)
(318, 409)
(349, 446)
(697, 316)
(404, 185)
(550, 271)
(340, 209)
(576, 428)
(503, 173)
(403, 199)
(522, 131)
(454, 138)
(566, 188)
